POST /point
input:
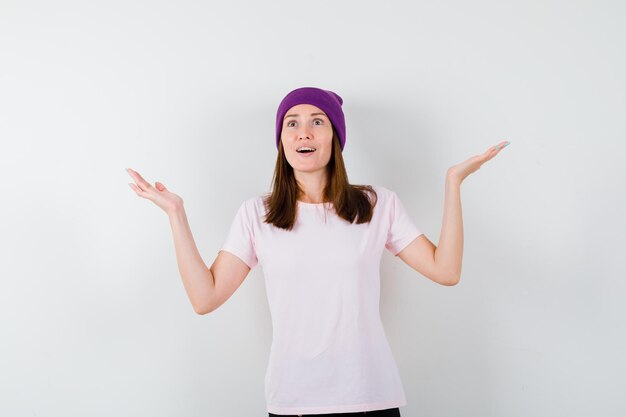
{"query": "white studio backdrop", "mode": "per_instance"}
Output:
(94, 319)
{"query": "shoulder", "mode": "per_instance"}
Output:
(387, 199)
(254, 205)
(380, 189)
(383, 193)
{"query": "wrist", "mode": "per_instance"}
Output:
(176, 211)
(452, 178)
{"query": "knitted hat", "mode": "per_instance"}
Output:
(326, 100)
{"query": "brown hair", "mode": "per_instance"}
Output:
(350, 201)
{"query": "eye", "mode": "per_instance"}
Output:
(289, 123)
(319, 120)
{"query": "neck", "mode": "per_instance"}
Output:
(312, 185)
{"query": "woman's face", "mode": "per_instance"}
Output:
(307, 126)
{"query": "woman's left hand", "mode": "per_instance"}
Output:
(460, 171)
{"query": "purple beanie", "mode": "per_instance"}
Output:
(326, 100)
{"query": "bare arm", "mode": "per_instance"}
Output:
(442, 264)
(197, 278)
(449, 253)
(207, 288)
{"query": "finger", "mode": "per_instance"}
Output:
(136, 189)
(494, 150)
(487, 155)
(137, 176)
(141, 183)
(494, 153)
(501, 145)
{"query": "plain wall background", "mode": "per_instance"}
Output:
(94, 319)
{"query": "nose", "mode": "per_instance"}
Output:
(304, 133)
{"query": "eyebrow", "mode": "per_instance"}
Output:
(312, 114)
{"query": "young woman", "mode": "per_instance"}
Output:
(320, 240)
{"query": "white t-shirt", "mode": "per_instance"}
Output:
(329, 351)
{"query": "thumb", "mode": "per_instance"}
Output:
(159, 186)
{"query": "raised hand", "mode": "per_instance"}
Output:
(158, 194)
(460, 171)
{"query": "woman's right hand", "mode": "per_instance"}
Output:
(158, 194)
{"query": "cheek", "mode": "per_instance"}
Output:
(328, 151)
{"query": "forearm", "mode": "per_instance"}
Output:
(449, 252)
(197, 278)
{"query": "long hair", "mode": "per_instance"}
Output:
(350, 201)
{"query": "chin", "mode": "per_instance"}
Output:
(307, 169)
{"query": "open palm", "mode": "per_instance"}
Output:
(462, 170)
(158, 194)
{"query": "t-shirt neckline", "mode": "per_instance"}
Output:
(302, 203)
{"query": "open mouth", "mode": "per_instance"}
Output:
(305, 150)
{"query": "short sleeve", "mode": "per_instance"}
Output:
(240, 239)
(402, 230)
